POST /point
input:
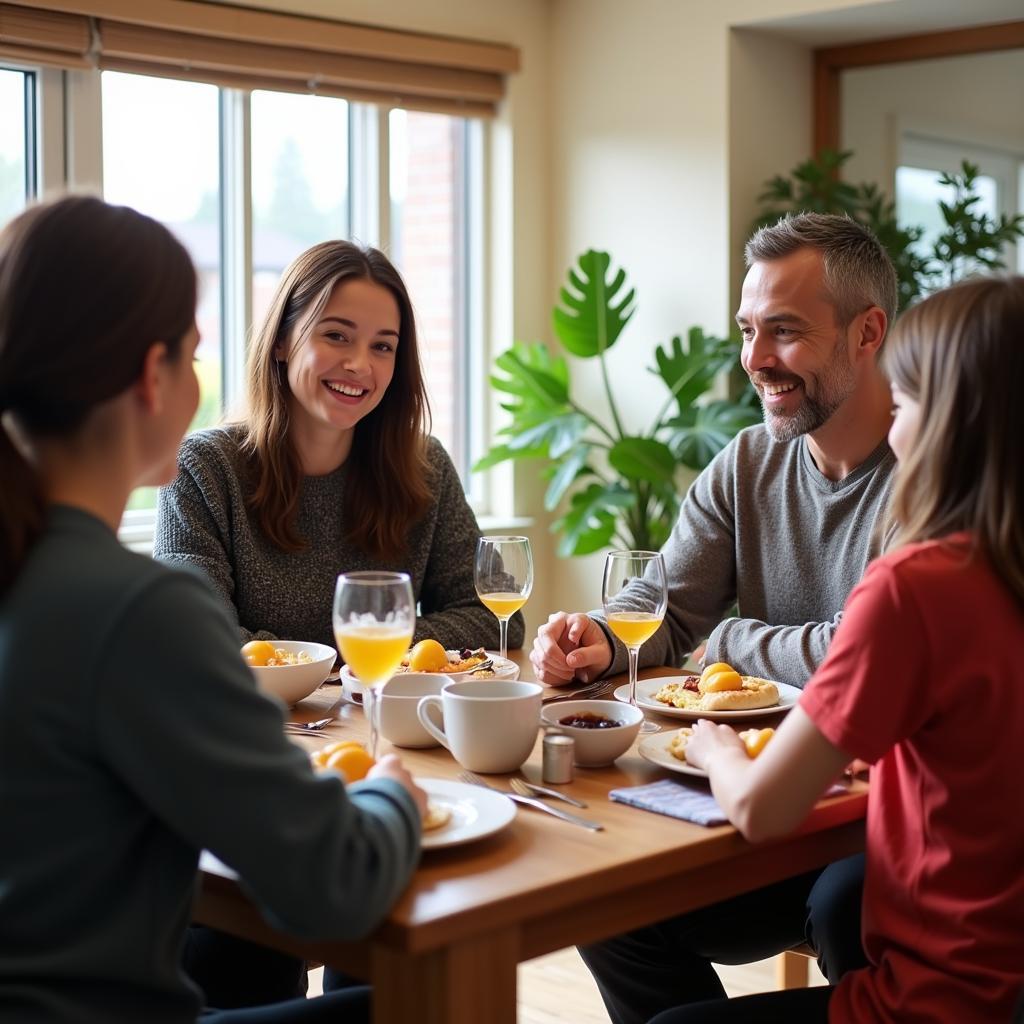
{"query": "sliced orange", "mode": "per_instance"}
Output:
(320, 756)
(351, 762)
(258, 652)
(755, 740)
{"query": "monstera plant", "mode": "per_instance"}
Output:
(616, 487)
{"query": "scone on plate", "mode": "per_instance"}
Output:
(437, 816)
(677, 745)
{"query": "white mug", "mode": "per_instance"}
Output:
(489, 725)
(397, 704)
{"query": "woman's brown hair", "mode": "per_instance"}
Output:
(86, 289)
(388, 456)
(960, 354)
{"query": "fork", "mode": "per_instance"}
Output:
(529, 801)
(309, 726)
(579, 694)
(524, 788)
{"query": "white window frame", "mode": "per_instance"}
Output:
(943, 147)
(69, 155)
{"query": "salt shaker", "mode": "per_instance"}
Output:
(556, 756)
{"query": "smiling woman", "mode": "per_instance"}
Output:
(330, 470)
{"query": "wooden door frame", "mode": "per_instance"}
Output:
(831, 60)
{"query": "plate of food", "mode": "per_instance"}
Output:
(668, 749)
(459, 813)
(430, 656)
(719, 692)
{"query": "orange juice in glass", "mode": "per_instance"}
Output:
(635, 596)
(503, 573)
(374, 615)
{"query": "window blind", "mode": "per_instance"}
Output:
(250, 49)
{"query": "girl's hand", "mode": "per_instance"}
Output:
(390, 767)
(707, 739)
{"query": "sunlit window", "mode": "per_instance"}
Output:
(300, 182)
(15, 142)
(428, 244)
(318, 168)
(918, 194)
(161, 155)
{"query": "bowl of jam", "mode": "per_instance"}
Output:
(602, 730)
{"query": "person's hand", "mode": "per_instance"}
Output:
(568, 646)
(707, 739)
(390, 767)
(856, 767)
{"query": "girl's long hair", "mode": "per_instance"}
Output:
(388, 464)
(86, 289)
(960, 354)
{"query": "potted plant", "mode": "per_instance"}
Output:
(969, 243)
(621, 487)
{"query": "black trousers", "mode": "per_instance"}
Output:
(234, 973)
(349, 1007)
(803, 1005)
(669, 964)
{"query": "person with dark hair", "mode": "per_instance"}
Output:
(132, 734)
(331, 469)
(923, 679)
(782, 524)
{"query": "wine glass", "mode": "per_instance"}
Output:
(374, 616)
(635, 596)
(503, 572)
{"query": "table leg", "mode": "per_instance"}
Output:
(466, 983)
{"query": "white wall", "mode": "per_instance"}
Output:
(974, 99)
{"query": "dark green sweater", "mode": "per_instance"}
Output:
(203, 521)
(131, 737)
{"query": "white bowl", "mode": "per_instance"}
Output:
(291, 683)
(595, 747)
(503, 669)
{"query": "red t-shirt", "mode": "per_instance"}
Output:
(925, 679)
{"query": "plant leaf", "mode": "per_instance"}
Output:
(589, 525)
(595, 310)
(643, 458)
(502, 453)
(703, 431)
(572, 467)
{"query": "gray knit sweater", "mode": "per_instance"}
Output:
(763, 528)
(203, 521)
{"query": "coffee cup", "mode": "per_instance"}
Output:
(397, 704)
(489, 726)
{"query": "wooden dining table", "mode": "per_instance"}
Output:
(447, 953)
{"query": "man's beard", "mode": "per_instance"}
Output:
(832, 386)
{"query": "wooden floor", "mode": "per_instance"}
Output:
(559, 988)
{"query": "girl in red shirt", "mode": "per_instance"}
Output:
(924, 680)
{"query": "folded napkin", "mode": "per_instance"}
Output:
(678, 800)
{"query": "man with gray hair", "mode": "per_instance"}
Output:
(782, 525)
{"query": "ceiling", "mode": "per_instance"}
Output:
(886, 19)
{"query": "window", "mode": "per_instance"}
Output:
(247, 180)
(17, 142)
(1000, 185)
(427, 199)
(161, 155)
(300, 186)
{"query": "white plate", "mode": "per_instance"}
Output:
(476, 812)
(655, 749)
(503, 669)
(646, 688)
